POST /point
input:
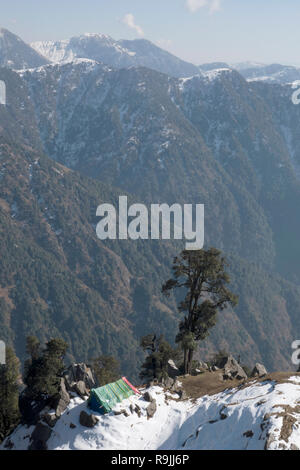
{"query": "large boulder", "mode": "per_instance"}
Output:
(87, 420)
(167, 382)
(148, 397)
(61, 401)
(232, 369)
(50, 419)
(81, 389)
(79, 373)
(151, 409)
(259, 371)
(172, 370)
(40, 436)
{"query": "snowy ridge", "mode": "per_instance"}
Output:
(257, 416)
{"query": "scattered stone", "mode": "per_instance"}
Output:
(81, 389)
(182, 395)
(248, 434)
(79, 373)
(152, 383)
(168, 382)
(87, 420)
(131, 409)
(8, 444)
(259, 371)
(215, 368)
(138, 410)
(232, 369)
(151, 409)
(50, 419)
(61, 401)
(40, 436)
(175, 387)
(148, 397)
(203, 365)
(73, 426)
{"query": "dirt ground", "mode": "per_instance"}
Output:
(211, 383)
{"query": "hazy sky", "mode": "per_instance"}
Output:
(195, 30)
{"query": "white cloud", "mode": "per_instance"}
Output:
(130, 22)
(195, 5)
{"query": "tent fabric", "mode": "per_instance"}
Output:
(103, 399)
(131, 386)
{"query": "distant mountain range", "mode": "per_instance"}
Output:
(75, 130)
(16, 54)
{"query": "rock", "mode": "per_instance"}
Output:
(203, 365)
(215, 368)
(131, 409)
(182, 395)
(151, 409)
(248, 434)
(175, 387)
(50, 419)
(122, 412)
(232, 369)
(152, 383)
(168, 382)
(79, 373)
(8, 444)
(80, 388)
(61, 401)
(87, 420)
(172, 370)
(40, 436)
(72, 426)
(148, 397)
(259, 371)
(138, 410)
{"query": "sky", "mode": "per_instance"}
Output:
(198, 31)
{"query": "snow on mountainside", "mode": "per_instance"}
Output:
(16, 54)
(259, 415)
(274, 73)
(119, 54)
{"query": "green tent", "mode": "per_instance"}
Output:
(103, 399)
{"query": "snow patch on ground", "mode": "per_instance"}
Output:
(252, 417)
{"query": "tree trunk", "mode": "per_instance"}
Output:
(189, 360)
(185, 361)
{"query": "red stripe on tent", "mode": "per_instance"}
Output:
(131, 386)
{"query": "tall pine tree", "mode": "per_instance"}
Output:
(202, 275)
